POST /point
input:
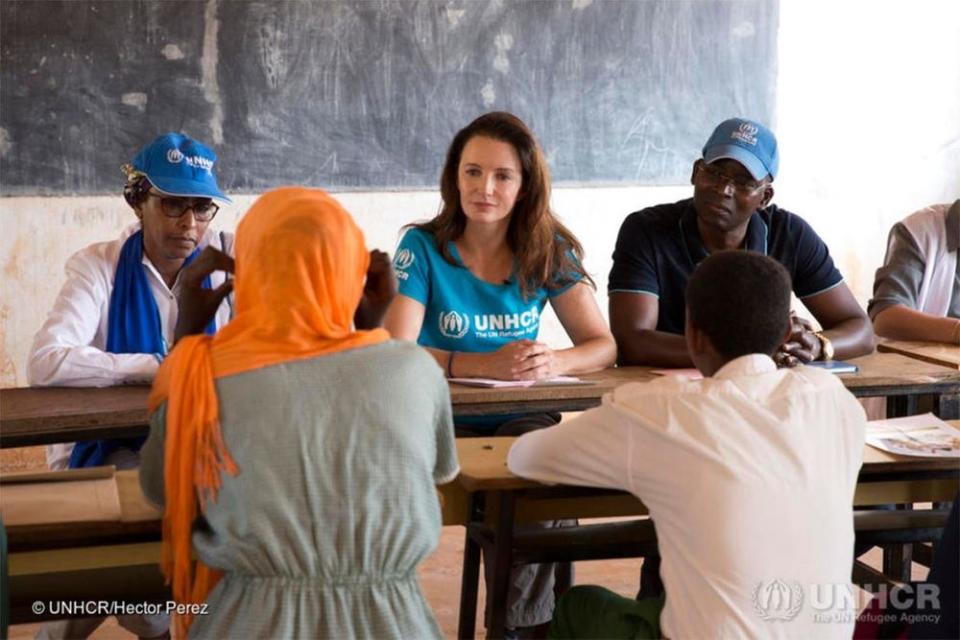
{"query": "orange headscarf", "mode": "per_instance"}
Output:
(300, 268)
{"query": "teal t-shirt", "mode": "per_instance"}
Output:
(463, 312)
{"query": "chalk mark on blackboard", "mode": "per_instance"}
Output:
(172, 52)
(488, 94)
(503, 43)
(136, 99)
(208, 65)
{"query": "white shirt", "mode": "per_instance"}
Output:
(69, 348)
(749, 476)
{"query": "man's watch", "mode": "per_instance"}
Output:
(826, 347)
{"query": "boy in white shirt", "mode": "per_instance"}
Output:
(749, 474)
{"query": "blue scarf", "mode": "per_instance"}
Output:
(133, 326)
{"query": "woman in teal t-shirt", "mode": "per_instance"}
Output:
(474, 280)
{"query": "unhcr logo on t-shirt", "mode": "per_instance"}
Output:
(453, 324)
(403, 259)
(506, 321)
(401, 262)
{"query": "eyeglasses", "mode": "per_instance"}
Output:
(718, 179)
(203, 209)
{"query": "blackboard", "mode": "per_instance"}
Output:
(363, 94)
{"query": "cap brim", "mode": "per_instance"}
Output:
(188, 188)
(741, 155)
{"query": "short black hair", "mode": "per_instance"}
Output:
(741, 301)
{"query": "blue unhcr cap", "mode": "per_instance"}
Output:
(748, 142)
(178, 165)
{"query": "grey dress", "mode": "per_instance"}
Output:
(335, 504)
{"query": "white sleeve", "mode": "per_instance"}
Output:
(589, 450)
(62, 353)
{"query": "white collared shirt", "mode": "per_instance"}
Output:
(749, 476)
(69, 350)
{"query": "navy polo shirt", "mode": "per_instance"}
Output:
(659, 247)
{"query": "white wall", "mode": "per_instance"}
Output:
(868, 119)
(868, 108)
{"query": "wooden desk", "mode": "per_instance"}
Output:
(33, 416)
(471, 401)
(139, 522)
(118, 560)
(947, 355)
(497, 501)
(110, 561)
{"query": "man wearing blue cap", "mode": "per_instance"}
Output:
(114, 319)
(658, 248)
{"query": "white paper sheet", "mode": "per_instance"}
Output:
(924, 436)
(499, 384)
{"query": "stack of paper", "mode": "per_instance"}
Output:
(925, 435)
(691, 374)
(497, 384)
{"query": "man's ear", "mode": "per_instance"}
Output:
(693, 172)
(767, 195)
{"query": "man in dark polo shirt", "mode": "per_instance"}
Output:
(659, 247)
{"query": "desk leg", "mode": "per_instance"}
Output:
(901, 406)
(948, 406)
(469, 585)
(897, 559)
(502, 553)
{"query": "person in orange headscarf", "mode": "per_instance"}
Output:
(283, 445)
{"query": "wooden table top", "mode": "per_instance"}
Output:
(484, 401)
(883, 373)
(139, 522)
(483, 464)
(947, 355)
(33, 416)
(43, 415)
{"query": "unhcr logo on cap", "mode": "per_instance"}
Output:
(746, 133)
(453, 324)
(175, 156)
(199, 162)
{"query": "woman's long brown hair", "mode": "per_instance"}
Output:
(546, 252)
